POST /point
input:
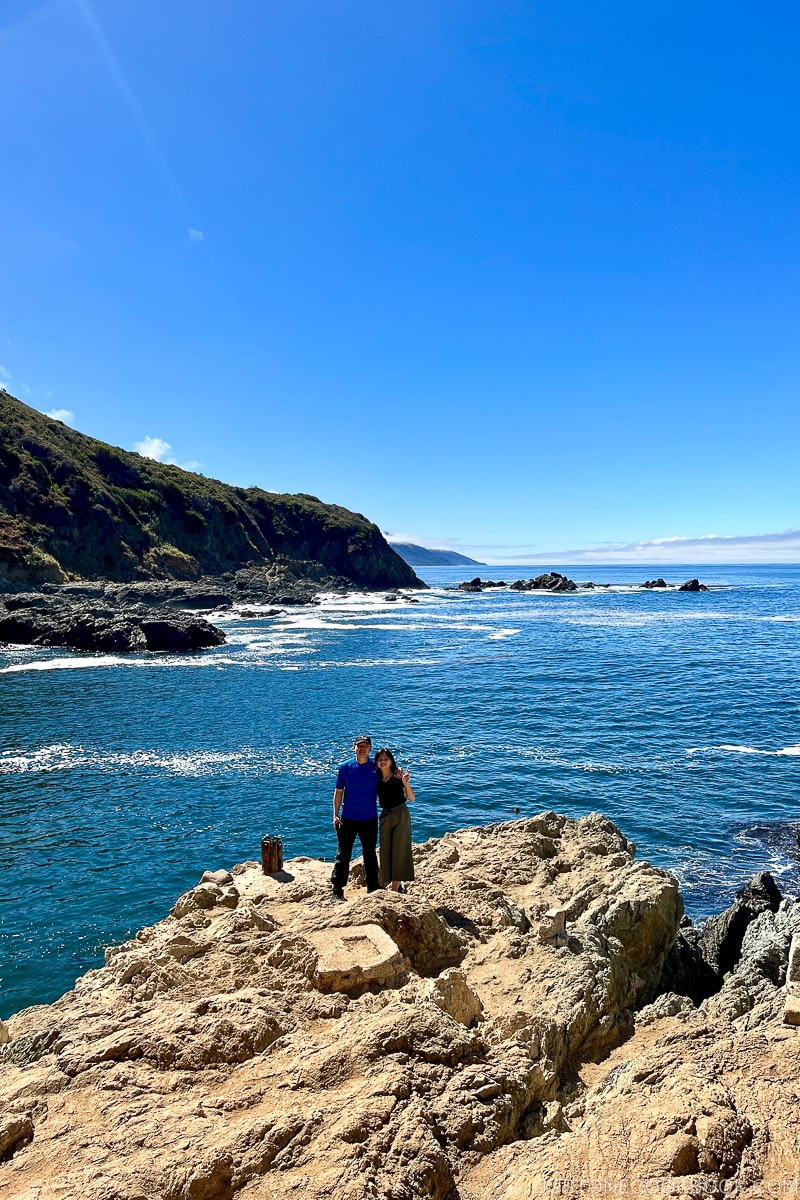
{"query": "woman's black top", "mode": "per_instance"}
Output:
(390, 792)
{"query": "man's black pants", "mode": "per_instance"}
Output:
(346, 834)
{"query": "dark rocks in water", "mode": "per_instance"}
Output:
(722, 935)
(691, 585)
(477, 584)
(152, 614)
(552, 582)
(252, 614)
(588, 584)
(702, 956)
(170, 633)
(82, 623)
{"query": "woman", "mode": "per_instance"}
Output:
(397, 864)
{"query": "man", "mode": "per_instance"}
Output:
(355, 814)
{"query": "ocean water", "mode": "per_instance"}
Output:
(123, 777)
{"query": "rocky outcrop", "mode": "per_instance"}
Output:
(32, 619)
(691, 585)
(498, 1034)
(477, 584)
(260, 1041)
(73, 507)
(552, 582)
(697, 1102)
(159, 615)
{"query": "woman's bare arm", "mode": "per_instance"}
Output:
(407, 788)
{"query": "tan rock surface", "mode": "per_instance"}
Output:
(458, 1055)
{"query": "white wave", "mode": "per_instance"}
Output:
(730, 748)
(67, 664)
(733, 749)
(499, 634)
(110, 660)
(377, 662)
(63, 756)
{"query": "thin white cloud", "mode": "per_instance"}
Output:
(781, 547)
(4, 374)
(61, 414)
(427, 543)
(161, 451)
(196, 235)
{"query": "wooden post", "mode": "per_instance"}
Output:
(271, 854)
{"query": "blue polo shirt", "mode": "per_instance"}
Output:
(360, 783)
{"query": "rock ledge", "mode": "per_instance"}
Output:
(261, 1042)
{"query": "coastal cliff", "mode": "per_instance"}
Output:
(259, 1042)
(72, 507)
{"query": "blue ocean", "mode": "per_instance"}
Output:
(123, 778)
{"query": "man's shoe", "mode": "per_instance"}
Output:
(337, 895)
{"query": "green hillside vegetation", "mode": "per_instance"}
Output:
(73, 507)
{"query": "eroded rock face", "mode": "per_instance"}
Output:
(261, 1041)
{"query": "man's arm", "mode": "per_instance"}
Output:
(338, 796)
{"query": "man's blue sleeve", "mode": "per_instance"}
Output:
(341, 778)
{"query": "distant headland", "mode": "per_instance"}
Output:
(421, 556)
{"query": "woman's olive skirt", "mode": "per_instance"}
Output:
(396, 860)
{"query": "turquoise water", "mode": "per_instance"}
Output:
(124, 777)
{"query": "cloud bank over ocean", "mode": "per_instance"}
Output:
(783, 547)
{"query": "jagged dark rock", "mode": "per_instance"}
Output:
(477, 584)
(722, 935)
(654, 583)
(99, 624)
(693, 585)
(702, 957)
(552, 582)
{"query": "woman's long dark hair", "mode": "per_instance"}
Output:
(387, 751)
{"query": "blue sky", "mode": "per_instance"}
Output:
(518, 278)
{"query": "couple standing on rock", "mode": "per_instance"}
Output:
(361, 784)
